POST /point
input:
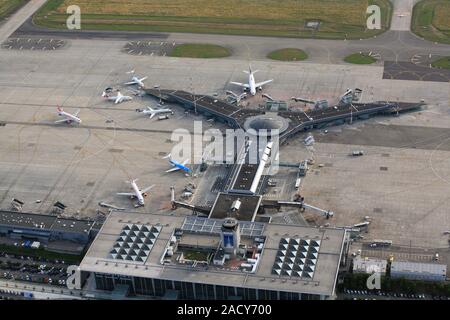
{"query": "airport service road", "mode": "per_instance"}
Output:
(17, 19)
(402, 15)
(393, 45)
(83, 165)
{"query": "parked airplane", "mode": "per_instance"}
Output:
(69, 118)
(252, 86)
(177, 165)
(152, 112)
(118, 98)
(136, 80)
(137, 193)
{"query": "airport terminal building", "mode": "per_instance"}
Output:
(192, 257)
(44, 228)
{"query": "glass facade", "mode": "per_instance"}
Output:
(197, 291)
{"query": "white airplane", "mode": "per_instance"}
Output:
(136, 80)
(252, 86)
(69, 118)
(118, 98)
(137, 193)
(177, 165)
(153, 112)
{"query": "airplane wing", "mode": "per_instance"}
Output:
(146, 189)
(76, 113)
(130, 82)
(143, 78)
(61, 121)
(118, 99)
(173, 169)
(152, 115)
(128, 194)
(245, 85)
(184, 162)
(260, 84)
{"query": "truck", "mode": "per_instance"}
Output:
(380, 243)
(357, 153)
(303, 168)
(164, 117)
(297, 183)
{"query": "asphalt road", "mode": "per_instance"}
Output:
(390, 46)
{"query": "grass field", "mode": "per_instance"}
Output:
(196, 255)
(360, 58)
(442, 63)
(241, 17)
(288, 54)
(194, 50)
(431, 20)
(8, 6)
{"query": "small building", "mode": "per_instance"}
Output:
(418, 271)
(369, 265)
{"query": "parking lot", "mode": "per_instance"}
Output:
(31, 269)
(381, 295)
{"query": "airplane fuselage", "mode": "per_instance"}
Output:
(136, 190)
(138, 81)
(251, 83)
(158, 111)
(69, 117)
(180, 166)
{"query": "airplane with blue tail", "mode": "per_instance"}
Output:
(177, 165)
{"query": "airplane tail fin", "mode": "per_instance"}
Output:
(168, 156)
(59, 109)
